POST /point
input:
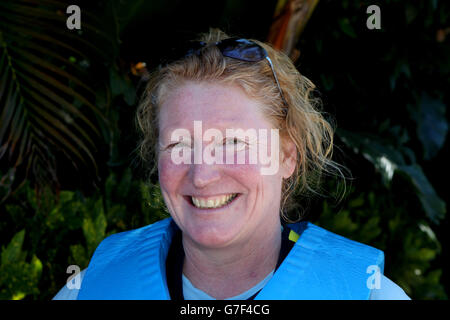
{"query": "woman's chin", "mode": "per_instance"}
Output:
(213, 235)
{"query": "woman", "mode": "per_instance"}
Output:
(234, 132)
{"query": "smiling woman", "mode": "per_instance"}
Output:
(228, 237)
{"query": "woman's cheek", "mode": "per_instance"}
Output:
(169, 172)
(252, 164)
(249, 173)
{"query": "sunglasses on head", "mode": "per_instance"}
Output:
(235, 48)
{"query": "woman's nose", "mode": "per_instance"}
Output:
(203, 175)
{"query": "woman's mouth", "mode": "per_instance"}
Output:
(213, 202)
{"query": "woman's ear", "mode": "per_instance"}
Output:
(288, 157)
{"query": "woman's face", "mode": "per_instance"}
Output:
(218, 205)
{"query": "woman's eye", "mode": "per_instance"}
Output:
(180, 144)
(231, 141)
(235, 142)
(170, 146)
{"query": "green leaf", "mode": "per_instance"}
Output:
(36, 267)
(12, 253)
(426, 254)
(110, 186)
(410, 13)
(382, 155)
(125, 184)
(357, 202)
(79, 255)
(18, 296)
(343, 223)
(94, 230)
(100, 225)
(432, 126)
(371, 229)
(347, 28)
(120, 85)
(388, 160)
(434, 206)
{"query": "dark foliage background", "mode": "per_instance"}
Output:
(68, 167)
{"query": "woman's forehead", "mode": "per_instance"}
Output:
(207, 96)
(215, 105)
(223, 126)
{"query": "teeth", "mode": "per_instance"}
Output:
(213, 202)
(196, 202)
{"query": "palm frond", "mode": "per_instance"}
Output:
(47, 99)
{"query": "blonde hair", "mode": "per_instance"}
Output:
(301, 120)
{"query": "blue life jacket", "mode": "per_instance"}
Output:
(321, 265)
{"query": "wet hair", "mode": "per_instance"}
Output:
(301, 120)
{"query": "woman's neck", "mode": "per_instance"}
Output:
(227, 272)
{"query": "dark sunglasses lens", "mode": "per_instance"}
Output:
(242, 49)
